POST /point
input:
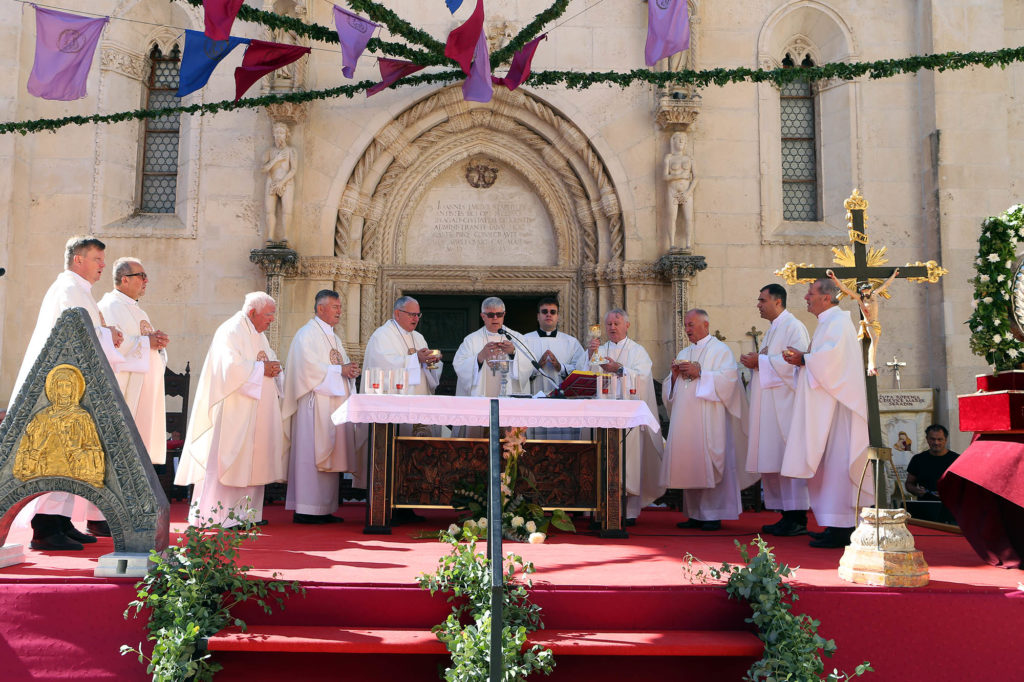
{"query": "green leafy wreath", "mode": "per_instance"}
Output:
(994, 288)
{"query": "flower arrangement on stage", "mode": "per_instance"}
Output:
(994, 289)
(189, 592)
(521, 519)
(465, 574)
(792, 645)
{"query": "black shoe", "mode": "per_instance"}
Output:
(98, 528)
(71, 533)
(814, 535)
(312, 519)
(261, 522)
(405, 515)
(835, 538)
(630, 522)
(58, 542)
(770, 528)
(691, 523)
(711, 525)
(788, 528)
(331, 518)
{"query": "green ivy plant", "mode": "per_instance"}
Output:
(792, 645)
(189, 592)
(465, 576)
(991, 337)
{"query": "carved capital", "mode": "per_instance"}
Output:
(275, 261)
(115, 59)
(675, 266)
(641, 272)
(291, 113)
(677, 114)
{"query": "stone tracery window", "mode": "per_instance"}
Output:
(799, 148)
(158, 187)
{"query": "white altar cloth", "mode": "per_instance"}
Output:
(474, 411)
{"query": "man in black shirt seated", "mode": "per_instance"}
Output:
(926, 468)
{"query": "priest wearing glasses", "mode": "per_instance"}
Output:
(557, 353)
(475, 377)
(396, 344)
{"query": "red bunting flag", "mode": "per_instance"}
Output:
(462, 40)
(519, 71)
(390, 71)
(219, 15)
(260, 59)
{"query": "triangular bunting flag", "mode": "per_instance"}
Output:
(218, 16)
(462, 40)
(668, 29)
(453, 5)
(519, 71)
(390, 71)
(478, 87)
(260, 59)
(353, 34)
(200, 58)
(65, 45)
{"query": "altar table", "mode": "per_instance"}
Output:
(422, 472)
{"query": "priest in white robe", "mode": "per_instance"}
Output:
(141, 376)
(706, 443)
(772, 391)
(235, 445)
(828, 438)
(320, 378)
(557, 353)
(621, 355)
(475, 377)
(84, 261)
(397, 345)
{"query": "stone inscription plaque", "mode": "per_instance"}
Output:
(456, 224)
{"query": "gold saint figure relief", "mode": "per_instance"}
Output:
(61, 439)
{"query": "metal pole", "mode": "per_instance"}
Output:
(494, 545)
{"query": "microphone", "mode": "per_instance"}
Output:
(507, 333)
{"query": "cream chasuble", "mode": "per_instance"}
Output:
(478, 380)
(143, 390)
(389, 347)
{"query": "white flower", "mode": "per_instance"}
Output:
(983, 278)
(1012, 352)
(987, 299)
(978, 261)
(531, 527)
(993, 257)
(1000, 278)
(469, 524)
(482, 523)
(537, 538)
(996, 338)
(517, 521)
(454, 529)
(1006, 296)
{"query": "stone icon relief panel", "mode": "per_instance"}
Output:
(480, 212)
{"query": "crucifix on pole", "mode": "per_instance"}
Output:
(859, 269)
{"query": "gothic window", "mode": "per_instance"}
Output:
(799, 148)
(160, 135)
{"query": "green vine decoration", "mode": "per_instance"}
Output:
(791, 641)
(189, 592)
(465, 575)
(433, 55)
(991, 337)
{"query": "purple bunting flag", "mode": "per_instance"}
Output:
(478, 87)
(668, 29)
(354, 33)
(65, 45)
(519, 71)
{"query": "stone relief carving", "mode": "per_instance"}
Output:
(119, 60)
(481, 173)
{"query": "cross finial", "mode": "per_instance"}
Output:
(755, 334)
(894, 366)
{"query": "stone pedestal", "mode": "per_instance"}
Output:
(11, 555)
(122, 565)
(276, 263)
(679, 268)
(881, 552)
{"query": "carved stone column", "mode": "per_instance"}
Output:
(680, 268)
(276, 264)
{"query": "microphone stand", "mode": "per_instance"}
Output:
(507, 333)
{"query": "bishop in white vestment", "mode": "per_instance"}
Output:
(706, 441)
(396, 345)
(828, 438)
(772, 391)
(84, 262)
(619, 355)
(235, 440)
(320, 378)
(141, 376)
(474, 375)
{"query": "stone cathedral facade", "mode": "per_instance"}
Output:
(540, 191)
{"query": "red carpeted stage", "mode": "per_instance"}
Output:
(631, 595)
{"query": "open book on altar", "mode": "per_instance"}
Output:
(578, 384)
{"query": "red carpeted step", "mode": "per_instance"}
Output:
(347, 640)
